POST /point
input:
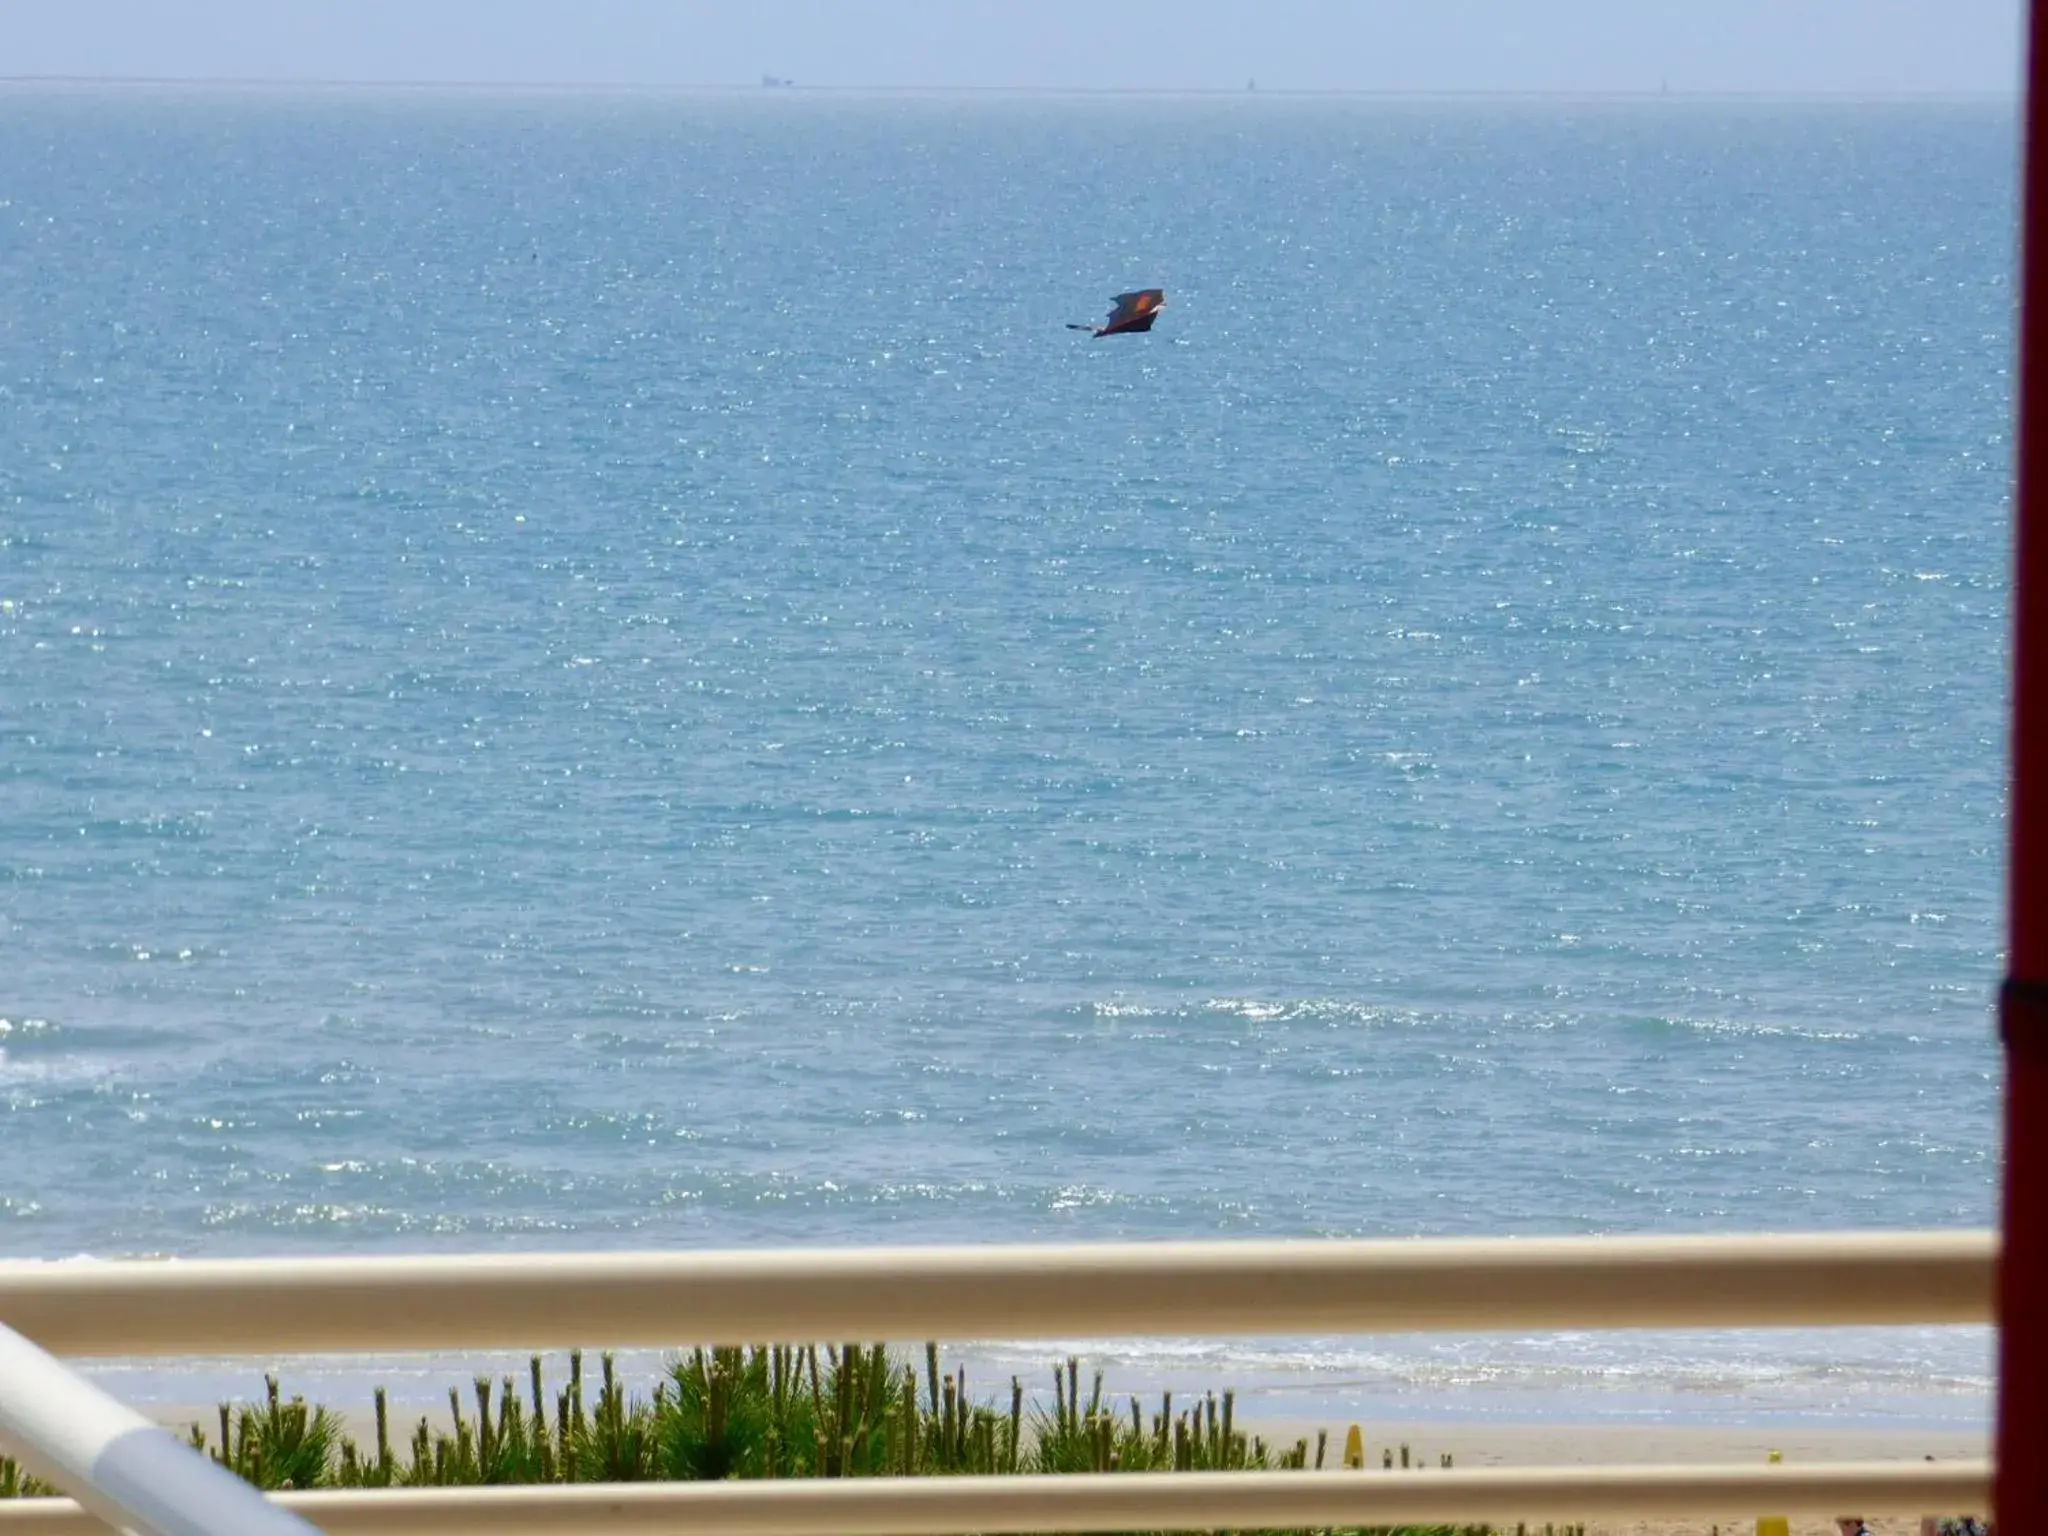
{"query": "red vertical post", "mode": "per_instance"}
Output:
(2022, 1495)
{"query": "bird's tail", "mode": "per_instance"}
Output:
(1073, 327)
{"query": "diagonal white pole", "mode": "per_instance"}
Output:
(135, 1475)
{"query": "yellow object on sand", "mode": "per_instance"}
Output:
(1773, 1525)
(1354, 1450)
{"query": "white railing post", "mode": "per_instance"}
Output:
(135, 1475)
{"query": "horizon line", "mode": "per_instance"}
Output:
(789, 88)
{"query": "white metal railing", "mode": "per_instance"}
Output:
(551, 1301)
(548, 1301)
(124, 1469)
(1115, 1501)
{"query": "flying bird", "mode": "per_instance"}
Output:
(1133, 312)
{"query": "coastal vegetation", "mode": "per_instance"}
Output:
(768, 1411)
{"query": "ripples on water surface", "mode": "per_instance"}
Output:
(602, 671)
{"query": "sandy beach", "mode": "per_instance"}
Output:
(1563, 1444)
(1489, 1444)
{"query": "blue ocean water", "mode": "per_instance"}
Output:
(601, 670)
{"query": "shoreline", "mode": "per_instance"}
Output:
(1504, 1443)
(1470, 1444)
(1466, 1414)
(1472, 1431)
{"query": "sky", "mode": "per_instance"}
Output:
(1861, 47)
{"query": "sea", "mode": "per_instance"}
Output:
(602, 670)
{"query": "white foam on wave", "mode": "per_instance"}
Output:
(1925, 1378)
(1908, 1376)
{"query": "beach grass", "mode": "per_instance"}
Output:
(762, 1411)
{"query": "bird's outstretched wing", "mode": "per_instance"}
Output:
(1134, 311)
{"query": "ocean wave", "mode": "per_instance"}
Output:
(1806, 1377)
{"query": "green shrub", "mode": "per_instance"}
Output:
(761, 1411)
